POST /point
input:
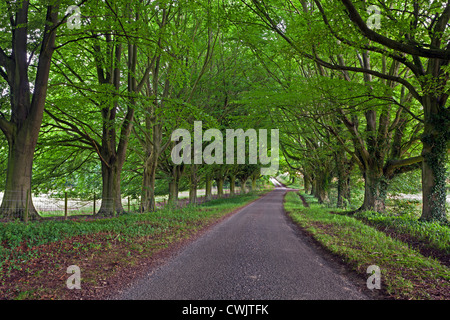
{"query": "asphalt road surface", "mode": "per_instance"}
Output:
(253, 255)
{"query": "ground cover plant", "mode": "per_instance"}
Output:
(431, 238)
(35, 256)
(406, 273)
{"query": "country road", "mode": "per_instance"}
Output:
(255, 254)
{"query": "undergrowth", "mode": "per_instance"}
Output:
(406, 274)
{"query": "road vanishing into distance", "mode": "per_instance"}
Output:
(255, 254)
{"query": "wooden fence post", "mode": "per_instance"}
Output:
(65, 205)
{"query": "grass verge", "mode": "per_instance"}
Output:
(431, 239)
(110, 252)
(406, 273)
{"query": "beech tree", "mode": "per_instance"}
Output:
(98, 88)
(185, 45)
(415, 36)
(27, 45)
(349, 91)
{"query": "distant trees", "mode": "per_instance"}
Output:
(129, 75)
(402, 71)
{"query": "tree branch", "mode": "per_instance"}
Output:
(395, 164)
(416, 69)
(273, 26)
(6, 127)
(4, 59)
(392, 44)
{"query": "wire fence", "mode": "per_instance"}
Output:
(50, 206)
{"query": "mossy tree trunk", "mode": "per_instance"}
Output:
(435, 148)
(344, 168)
(375, 188)
(193, 184)
(232, 184)
(220, 182)
(148, 201)
(255, 177)
(208, 187)
(322, 185)
(243, 182)
(176, 172)
(306, 183)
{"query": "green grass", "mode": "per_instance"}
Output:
(34, 256)
(406, 274)
(20, 242)
(433, 234)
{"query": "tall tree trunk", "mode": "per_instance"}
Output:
(18, 179)
(111, 195)
(152, 142)
(113, 154)
(148, 201)
(193, 193)
(434, 152)
(321, 191)
(154, 148)
(313, 187)
(306, 183)
(176, 172)
(27, 109)
(243, 182)
(254, 178)
(208, 187)
(344, 168)
(193, 182)
(344, 194)
(375, 188)
(220, 182)
(232, 185)
(322, 184)
(173, 191)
